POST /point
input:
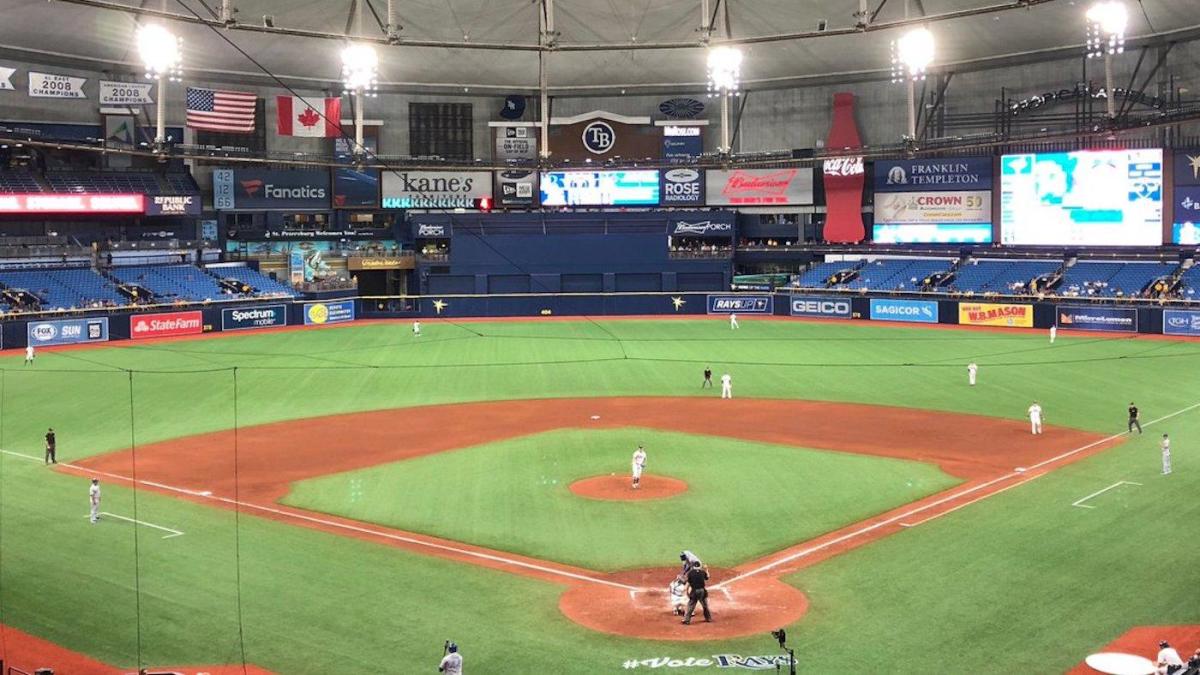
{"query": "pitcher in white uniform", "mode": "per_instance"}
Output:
(1035, 418)
(639, 463)
(726, 386)
(972, 369)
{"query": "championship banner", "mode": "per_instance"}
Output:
(743, 304)
(1109, 319)
(167, 324)
(49, 85)
(321, 313)
(125, 93)
(6, 78)
(989, 314)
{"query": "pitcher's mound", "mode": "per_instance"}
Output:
(641, 606)
(620, 487)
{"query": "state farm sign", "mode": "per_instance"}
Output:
(163, 325)
(753, 187)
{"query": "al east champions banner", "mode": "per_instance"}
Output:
(49, 85)
(67, 331)
(741, 304)
(913, 311)
(253, 317)
(321, 313)
(920, 175)
(991, 314)
(144, 326)
(830, 308)
(1110, 319)
(1179, 322)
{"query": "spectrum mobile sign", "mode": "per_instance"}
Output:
(253, 317)
(163, 325)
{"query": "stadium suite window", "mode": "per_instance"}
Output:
(441, 129)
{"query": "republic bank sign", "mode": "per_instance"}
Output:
(435, 189)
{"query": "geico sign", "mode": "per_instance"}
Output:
(822, 307)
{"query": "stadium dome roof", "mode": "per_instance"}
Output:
(602, 46)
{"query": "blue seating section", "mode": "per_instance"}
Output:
(172, 282)
(136, 183)
(893, 274)
(998, 276)
(262, 284)
(820, 273)
(1103, 279)
(63, 288)
(18, 182)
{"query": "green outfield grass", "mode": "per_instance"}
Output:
(744, 499)
(1022, 582)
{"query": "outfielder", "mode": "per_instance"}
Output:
(733, 324)
(1053, 333)
(726, 386)
(639, 463)
(29, 354)
(1035, 418)
(1166, 448)
(416, 329)
(94, 498)
(972, 369)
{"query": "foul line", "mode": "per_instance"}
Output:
(344, 526)
(174, 532)
(911, 512)
(1097, 493)
(966, 504)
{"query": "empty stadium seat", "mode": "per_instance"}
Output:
(64, 288)
(172, 282)
(261, 283)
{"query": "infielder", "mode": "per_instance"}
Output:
(94, 498)
(639, 463)
(1166, 448)
(416, 329)
(29, 355)
(1035, 418)
(733, 324)
(452, 662)
(1053, 333)
(972, 369)
(726, 386)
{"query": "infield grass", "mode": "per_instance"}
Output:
(744, 499)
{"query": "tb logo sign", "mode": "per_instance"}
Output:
(599, 138)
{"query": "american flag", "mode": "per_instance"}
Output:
(215, 110)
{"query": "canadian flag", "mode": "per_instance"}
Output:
(314, 118)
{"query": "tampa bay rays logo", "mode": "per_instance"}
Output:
(599, 137)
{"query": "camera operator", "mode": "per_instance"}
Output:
(697, 577)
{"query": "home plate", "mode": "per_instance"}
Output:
(595, 417)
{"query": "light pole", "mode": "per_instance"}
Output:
(360, 69)
(1106, 22)
(911, 56)
(724, 73)
(160, 52)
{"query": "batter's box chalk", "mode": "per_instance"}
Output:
(595, 417)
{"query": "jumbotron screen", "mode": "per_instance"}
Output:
(1086, 198)
(600, 188)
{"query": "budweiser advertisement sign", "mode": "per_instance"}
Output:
(844, 176)
(754, 187)
(143, 326)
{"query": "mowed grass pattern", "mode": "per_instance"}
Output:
(1021, 582)
(744, 499)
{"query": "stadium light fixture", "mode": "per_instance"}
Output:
(1106, 23)
(360, 70)
(911, 56)
(724, 76)
(162, 55)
